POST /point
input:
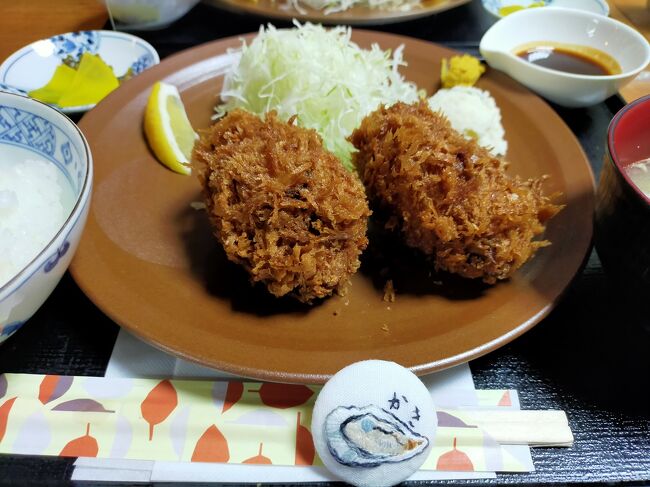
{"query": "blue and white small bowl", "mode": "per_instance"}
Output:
(30, 129)
(33, 66)
(599, 7)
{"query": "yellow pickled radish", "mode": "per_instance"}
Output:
(93, 81)
(87, 85)
(167, 128)
(58, 84)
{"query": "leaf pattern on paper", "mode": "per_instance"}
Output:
(212, 446)
(159, 404)
(455, 461)
(233, 394)
(446, 420)
(53, 387)
(283, 396)
(35, 423)
(84, 446)
(218, 393)
(178, 431)
(505, 400)
(305, 451)
(34, 435)
(100, 388)
(259, 459)
(4, 416)
(261, 417)
(493, 454)
(82, 405)
(123, 437)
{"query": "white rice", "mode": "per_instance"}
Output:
(472, 112)
(31, 213)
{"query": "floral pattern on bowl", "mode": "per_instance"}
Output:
(74, 44)
(143, 62)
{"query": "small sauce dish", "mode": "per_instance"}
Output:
(576, 29)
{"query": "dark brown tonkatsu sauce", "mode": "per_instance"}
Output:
(568, 61)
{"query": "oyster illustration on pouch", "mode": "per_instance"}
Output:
(370, 436)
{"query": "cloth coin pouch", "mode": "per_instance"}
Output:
(374, 423)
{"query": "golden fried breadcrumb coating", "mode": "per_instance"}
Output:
(450, 197)
(281, 205)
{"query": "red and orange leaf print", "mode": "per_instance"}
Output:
(4, 415)
(159, 404)
(455, 460)
(84, 446)
(211, 447)
(283, 396)
(233, 394)
(259, 459)
(305, 450)
(262, 424)
(53, 387)
(505, 399)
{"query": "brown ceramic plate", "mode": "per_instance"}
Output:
(354, 16)
(149, 260)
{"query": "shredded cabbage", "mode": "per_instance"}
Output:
(333, 6)
(329, 82)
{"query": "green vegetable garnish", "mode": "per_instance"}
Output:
(329, 82)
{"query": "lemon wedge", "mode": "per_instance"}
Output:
(167, 128)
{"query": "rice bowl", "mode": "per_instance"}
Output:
(33, 131)
(34, 203)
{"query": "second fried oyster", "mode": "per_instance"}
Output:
(449, 197)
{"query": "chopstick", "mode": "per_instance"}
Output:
(532, 428)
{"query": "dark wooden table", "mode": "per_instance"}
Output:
(590, 357)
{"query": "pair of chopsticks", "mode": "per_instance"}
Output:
(532, 428)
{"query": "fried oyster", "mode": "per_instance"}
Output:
(449, 197)
(281, 205)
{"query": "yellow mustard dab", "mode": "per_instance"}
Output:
(462, 70)
(508, 9)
